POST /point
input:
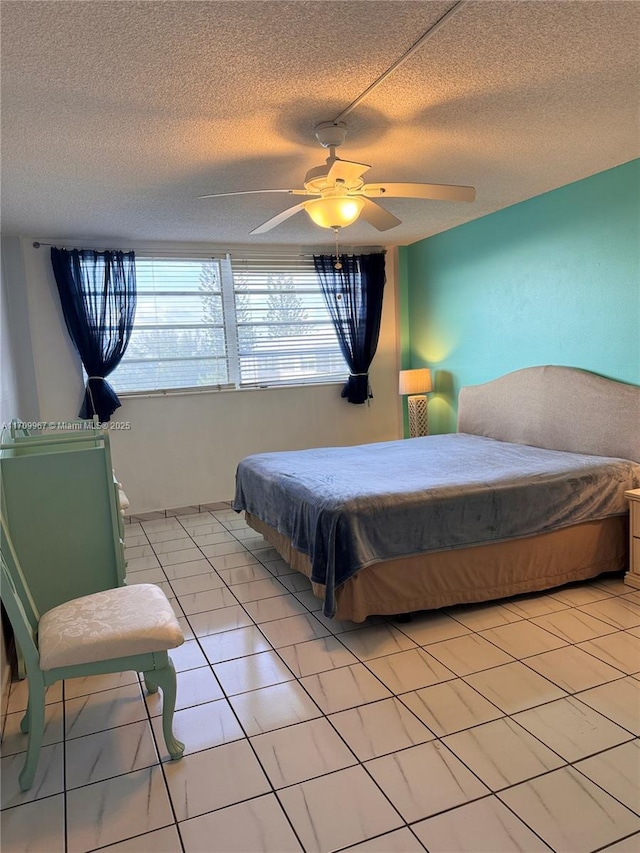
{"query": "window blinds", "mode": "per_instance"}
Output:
(235, 320)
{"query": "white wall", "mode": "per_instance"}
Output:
(184, 449)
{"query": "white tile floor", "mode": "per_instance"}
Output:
(510, 726)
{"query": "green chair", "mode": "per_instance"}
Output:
(121, 629)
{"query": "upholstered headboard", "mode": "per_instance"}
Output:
(560, 408)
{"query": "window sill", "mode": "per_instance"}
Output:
(191, 392)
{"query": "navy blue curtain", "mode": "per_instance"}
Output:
(98, 295)
(353, 294)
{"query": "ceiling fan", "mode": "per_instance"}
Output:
(338, 194)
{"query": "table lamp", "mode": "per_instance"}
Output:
(417, 384)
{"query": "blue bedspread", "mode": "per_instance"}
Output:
(349, 507)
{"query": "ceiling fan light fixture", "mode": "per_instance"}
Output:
(335, 211)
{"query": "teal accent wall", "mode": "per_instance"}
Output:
(404, 335)
(552, 280)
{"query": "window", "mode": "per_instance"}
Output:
(228, 321)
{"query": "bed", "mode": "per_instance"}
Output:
(528, 494)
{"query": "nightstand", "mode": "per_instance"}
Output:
(632, 577)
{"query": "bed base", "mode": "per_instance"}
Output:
(467, 575)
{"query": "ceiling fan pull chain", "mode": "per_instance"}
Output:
(337, 265)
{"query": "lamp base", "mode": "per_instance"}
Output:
(418, 423)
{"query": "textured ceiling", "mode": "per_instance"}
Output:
(117, 115)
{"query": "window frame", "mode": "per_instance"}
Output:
(231, 325)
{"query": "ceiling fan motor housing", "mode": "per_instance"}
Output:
(331, 134)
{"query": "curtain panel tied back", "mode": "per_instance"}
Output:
(98, 295)
(353, 294)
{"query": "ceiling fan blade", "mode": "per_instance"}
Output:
(346, 170)
(251, 192)
(378, 216)
(278, 219)
(440, 192)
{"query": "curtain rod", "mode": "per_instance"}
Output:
(256, 250)
(37, 245)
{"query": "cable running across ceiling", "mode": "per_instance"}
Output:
(423, 38)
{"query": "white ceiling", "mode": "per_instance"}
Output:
(117, 115)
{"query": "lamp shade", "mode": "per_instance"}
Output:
(416, 381)
(334, 211)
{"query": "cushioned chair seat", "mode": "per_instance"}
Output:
(128, 620)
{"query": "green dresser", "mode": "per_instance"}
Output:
(60, 499)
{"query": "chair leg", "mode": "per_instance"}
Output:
(165, 678)
(151, 688)
(33, 722)
(24, 722)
